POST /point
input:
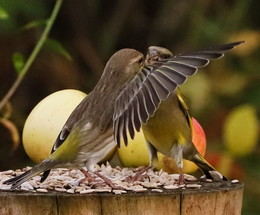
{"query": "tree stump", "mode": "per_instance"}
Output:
(215, 198)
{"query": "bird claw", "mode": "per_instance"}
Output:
(139, 174)
(108, 182)
(181, 179)
(88, 177)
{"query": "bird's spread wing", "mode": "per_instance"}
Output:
(139, 100)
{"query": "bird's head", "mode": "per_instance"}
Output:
(157, 53)
(123, 66)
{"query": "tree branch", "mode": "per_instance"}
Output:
(33, 55)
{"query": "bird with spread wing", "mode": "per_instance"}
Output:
(133, 92)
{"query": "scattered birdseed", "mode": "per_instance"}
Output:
(7, 172)
(41, 190)
(175, 176)
(60, 189)
(235, 181)
(5, 187)
(216, 175)
(150, 184)
(119, 191)
(193, 186)
(70, 181)
(137, 190)
(70, 191)
(24, 188)
(190, 177)
(27, 186)
(157, 190)
(87, 191)
(103, 190)
(171, 187)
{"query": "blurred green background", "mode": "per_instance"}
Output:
(224, 97)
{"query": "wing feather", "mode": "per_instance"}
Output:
(140, 98)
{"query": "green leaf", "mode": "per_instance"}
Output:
(18, 61)
(34, 24)
(3, 14)
(56, 46)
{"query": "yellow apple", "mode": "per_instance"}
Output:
(46, 120)
(136, 153)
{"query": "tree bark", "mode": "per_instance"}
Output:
(216, 198)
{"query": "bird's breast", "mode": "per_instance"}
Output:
(168, 126)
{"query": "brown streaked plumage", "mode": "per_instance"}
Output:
(87, 136)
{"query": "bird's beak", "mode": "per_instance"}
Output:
(151, 56)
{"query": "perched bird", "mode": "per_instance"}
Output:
(152, 100)
(87, 136)
(126, 97)
(174, 136)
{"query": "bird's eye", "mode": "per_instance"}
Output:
(140, 61)
(165, 56)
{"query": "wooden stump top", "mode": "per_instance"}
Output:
(214, 198)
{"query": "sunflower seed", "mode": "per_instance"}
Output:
(41, 190)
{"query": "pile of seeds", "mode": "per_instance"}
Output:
(72, 181)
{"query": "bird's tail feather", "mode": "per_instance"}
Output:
(209, 171)
(17, 181)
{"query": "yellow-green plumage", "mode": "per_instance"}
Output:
(169, 131)
(69, 150)
(168, 126)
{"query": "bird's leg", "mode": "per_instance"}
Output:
(139, 172)
(108, 181)
(88, 177)
(177, 152)
(181, 179)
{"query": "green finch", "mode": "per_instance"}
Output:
(169, 130)
(152, 101)
(87, 136)
(126, 97)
